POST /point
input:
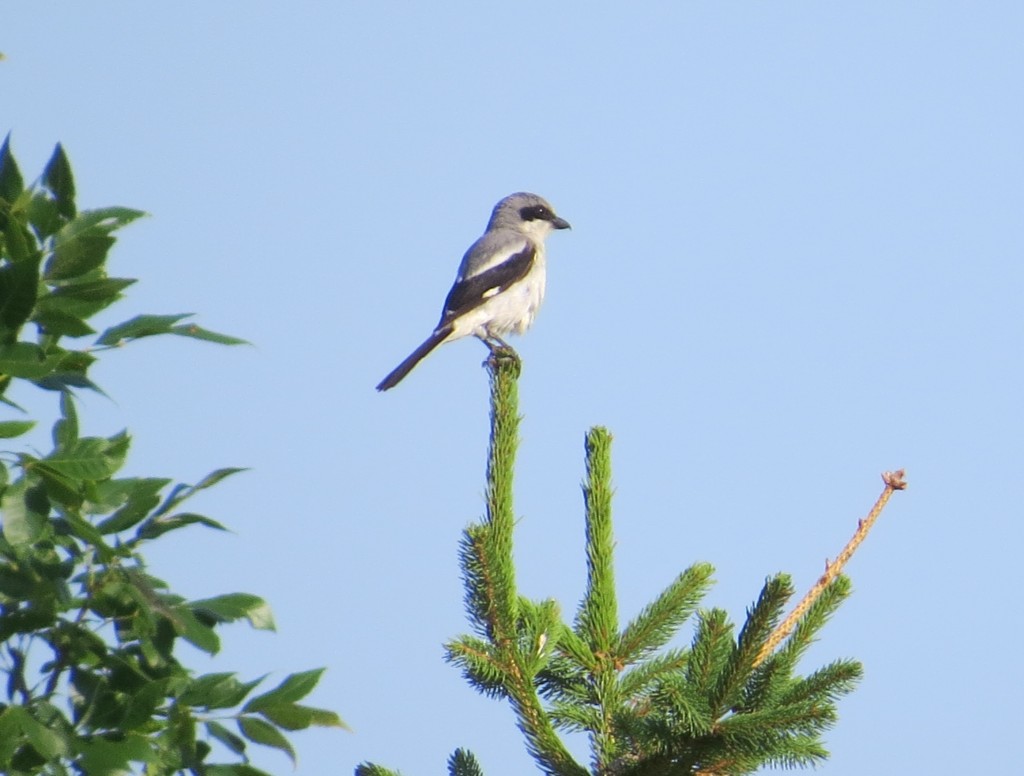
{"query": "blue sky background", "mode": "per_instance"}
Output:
(796, 261)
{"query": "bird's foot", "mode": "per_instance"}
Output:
(496, 343)
(501, 352)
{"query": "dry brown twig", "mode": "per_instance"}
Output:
(893, 481)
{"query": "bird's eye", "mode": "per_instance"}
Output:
(535, 212)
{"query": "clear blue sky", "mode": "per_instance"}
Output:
(796, 261)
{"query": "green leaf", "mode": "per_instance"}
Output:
(235, 743)
(188, 626)
(93, 290)
(89, 458)
(181, 492)
(15, 428)
(293, 716)
(234, 606)
(11, 182)
(65, 430)
(143, 704)
(23, 359)
(212, 479)
(82, 297)
(19, 283)
(110, 756)
(108, 495)
(196, 332)
(260, 732)
(153, 528)
(61, 324)
(217, 691)
(82, 244)
(106, 219)
(78, 255)
(43, 214)
(63, 490)
(151, 325)
(293, 688)
(10, 733)
(22, 524)
(143, 495)
(58, 179)
(47, 742)
(18, 242)
(69, 372)
(140, 326)
(87, 532)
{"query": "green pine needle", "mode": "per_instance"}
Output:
(761, 621)
(371, 769)
(464, 763)
(814, 619)
(712, 646)
(661, 619)
(641, 679)
(597, 620)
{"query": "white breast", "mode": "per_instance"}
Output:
(513, 310)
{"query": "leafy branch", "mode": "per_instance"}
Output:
(88, 636)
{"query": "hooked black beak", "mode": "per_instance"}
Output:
(560, 223)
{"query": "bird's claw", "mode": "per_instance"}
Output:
(500, 353)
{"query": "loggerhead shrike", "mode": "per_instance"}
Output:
(500, 284)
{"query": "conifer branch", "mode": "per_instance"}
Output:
(761, 618)
(500, 519)
(372, 769)
(598, 617)
(542, 741)
(658, 622)
(463, 763)
(492, 600)
(893, 481)
(728, 705)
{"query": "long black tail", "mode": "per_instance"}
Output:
(414, 358)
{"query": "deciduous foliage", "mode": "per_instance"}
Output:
(88, 637)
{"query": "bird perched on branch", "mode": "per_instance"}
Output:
(500, 284)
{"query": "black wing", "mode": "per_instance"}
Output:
(472, 292)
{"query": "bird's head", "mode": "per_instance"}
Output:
(526, 213)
